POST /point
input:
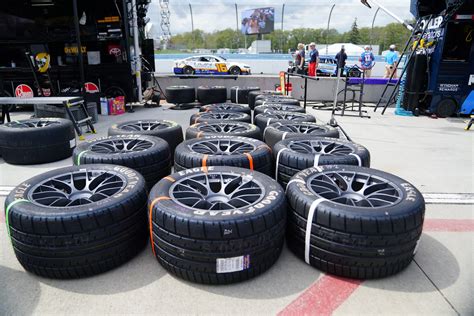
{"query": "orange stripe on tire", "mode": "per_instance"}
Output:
(169, 179)
(152, 204)
(250, 158)
(199, 134)
(204, 163)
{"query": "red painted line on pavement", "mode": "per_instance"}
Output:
(448, 225)
(322, 298)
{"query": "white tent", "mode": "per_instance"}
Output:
(351, 49)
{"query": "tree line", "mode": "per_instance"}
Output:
(282, 41)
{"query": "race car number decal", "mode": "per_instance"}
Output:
(221, 67)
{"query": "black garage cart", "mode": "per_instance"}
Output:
(101, 30)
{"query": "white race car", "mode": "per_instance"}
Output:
(209, 64)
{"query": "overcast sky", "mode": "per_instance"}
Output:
(213, 15)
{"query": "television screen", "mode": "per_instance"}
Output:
(258, 21)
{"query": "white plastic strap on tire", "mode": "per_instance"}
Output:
(316, 160)
(359, 161)
(278, 161)
(309, 222)
(284, 135)
(237, 95)
(293, 181)
(264, 102)
(268, 121)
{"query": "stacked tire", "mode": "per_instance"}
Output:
(36, 141)
(170, 131)
(240, 95)
(180, 94)
(353, 221)
(273, 133)
(253, 95)
(224, 150)
(217, 225)
(296, 154)
(277, 107)
(220, 116)
(77, 221)
(265, 119)
(225, 107)
(149, 155)
(278, 99)
(212, 94)
(239, 129)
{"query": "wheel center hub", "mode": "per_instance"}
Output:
(80, 195)
(214, 198)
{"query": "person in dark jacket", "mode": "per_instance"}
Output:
(341, 58)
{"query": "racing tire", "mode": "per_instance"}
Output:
(277, 107)
(235, 71)
(148, 155)
(284, 130)
(299, 153)
(253, 95)
(212, 94)
(212, 117)
(37, 141)
(225, 107)
(240, 129)
(180, 94)
(266, 101)
(114, 91)
(209, 240)
(60, 227)
(187, 70)
(267, 118)
(224, 150)
(240, 95)
(170, 131)
(365, 223)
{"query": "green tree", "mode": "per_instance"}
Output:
(354, 35)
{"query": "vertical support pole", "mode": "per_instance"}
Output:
(192, 25)
(327, 28)
(305, 90)
(372, 28)
(79, 46)
(282, 19)
(137, 57)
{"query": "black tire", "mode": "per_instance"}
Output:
(36, 141)
(240, 95)
(83, 238)
(446, 108)
(224, 150)
(266, 101)
(188, 70)
(167, 130)
(225, 107)
(149, 155)
(265, 119)
(198, 244)
(253, 95)
(299, 153)
(221, 116)
(213, 94)
(114, 91)
(351, 241)
(277, 107)
(284, 130)
(180, 94)
(223, 128)
(235, 71)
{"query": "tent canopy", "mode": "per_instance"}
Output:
(351, 49)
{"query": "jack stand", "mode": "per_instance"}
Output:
(332, 122)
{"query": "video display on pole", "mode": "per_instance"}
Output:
(258, 21)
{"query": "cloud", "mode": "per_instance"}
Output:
(214, 15)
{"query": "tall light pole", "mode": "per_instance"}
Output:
(372, 28)
(327, 28)
(192, 25)
(384, 9)
(282, 34)
(237, 26)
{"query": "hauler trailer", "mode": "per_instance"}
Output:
(53, 32)
(449, 49)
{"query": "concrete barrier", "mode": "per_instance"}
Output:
(320, 90)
